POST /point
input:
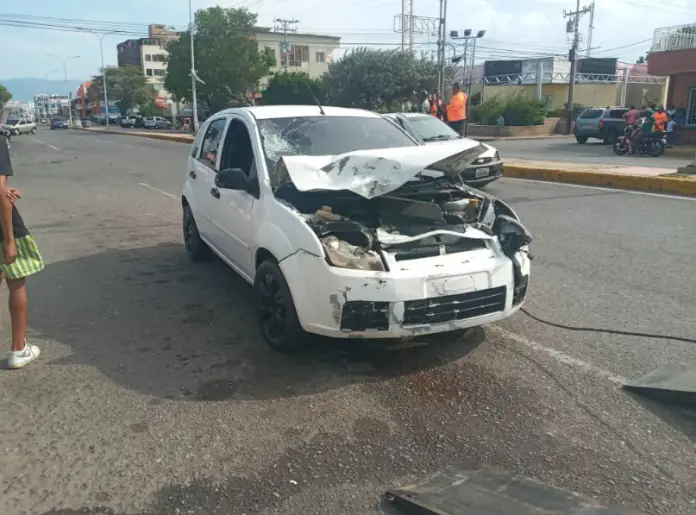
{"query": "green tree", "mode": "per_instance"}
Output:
(378, 79)
(125, 85)
(5, 95)
(227, 58)
(641, 60)
(292, 88)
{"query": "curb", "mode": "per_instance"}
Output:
(663, 183)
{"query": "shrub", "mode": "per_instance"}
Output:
(516, 110)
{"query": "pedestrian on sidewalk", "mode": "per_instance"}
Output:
(456, 109)
(20, 259)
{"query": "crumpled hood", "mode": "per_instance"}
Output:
(371, 173)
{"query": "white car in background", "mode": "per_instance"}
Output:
(18, 126)
(156, 122)
(347, 227)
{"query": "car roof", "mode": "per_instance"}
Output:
(412, 115)
(291, 111)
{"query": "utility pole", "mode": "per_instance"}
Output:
(590, 29)
(194, 77)
(441, 44)
(468, 65)
(572, 56)
(283, 25)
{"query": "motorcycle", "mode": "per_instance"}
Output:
(653, 145)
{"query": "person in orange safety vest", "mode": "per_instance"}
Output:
(456, 109)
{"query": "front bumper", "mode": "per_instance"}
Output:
(482, 174)
(426, 296)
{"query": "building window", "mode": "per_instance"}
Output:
(159, 72)
(148, 57)
(148, 72)
(159, 58)
(321, 57)
(300, 53)
(691, 110)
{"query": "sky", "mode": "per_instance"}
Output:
(514, 29)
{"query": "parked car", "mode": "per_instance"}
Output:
(58, 122)
(605, 123)
(157, 122)
(429, 130)
(131, 121)
(18, 126)
(86, 123)
(347, 227)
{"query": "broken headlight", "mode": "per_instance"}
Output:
(512, 234)
(344, 255)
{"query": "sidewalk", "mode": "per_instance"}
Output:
(667, 180)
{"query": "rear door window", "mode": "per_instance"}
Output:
(211, 142)
(617, 113)
(591, 113)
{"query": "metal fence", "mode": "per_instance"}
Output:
(679, 37)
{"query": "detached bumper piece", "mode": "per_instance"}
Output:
(462, 491)
(449, 308)
(358, 315)
(669, 384)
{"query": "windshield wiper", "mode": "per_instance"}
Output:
(439, 137)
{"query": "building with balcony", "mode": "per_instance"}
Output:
(308, 53)
(673, 54)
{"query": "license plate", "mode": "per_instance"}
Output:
(482, 172)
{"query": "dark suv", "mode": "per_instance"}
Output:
(605, 123)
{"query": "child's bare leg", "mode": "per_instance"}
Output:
(18, 311)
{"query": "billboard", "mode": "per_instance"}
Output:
(597, 66)
(498, 68)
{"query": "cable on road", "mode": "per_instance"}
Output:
(608, 331)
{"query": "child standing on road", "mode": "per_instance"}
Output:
(20, 259)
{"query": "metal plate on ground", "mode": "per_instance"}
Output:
(462, 491)
(674, 384)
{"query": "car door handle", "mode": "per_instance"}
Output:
(192, 174)
(215, 192)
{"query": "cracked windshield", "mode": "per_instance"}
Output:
(265, 257)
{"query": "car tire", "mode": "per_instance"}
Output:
(33, 131)
(196, 248)
(610, 138)
(581, 139)
(276, 311)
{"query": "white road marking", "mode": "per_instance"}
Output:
(112, 142)
(559, 356)
(630, 192)
(161, 192)
(47, 144)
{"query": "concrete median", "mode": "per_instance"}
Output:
(631, 178)
(164, 136)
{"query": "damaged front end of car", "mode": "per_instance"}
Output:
(380, 210)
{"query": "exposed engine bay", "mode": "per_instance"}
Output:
(372, 209)
(423, 218)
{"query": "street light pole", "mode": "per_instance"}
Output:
(193, 73)
(101, 50)
(65, 71)
(469, 68)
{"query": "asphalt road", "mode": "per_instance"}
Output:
(155, 394)
(567, 150)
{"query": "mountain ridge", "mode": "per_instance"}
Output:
(23, 89)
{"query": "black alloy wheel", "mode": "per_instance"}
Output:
(194, 245)
(276, 310)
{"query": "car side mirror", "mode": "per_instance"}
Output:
(232, 179)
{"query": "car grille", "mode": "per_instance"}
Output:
(449, 308)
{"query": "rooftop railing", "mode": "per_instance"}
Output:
(678, 37)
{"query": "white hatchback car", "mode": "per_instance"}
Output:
(347, 227)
